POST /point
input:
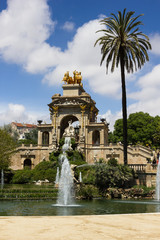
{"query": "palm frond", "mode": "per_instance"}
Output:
(122, 32)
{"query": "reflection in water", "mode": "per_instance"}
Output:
(158, 208)
(94, 207)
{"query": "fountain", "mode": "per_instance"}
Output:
(2, 179)
(57, 177)
(80, 177)
(158, 182)
(65, 190)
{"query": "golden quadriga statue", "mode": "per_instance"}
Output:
(77, 78)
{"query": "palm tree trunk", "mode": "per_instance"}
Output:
(124, 108)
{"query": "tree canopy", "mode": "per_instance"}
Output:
(142, 129)
(11, 131)
(7, 148)
(31, 137)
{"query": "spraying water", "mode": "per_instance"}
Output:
(57, 176)
(158, 181)
(2, 179)
(80, 177)
(65, 191)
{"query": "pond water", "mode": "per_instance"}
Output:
(94, 207)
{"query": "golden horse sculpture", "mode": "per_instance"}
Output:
(77, 78)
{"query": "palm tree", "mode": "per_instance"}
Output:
(123, 43)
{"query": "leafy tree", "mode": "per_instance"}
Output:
(142, 129)
(156, 134)
(7, 148)
(123, 44)
(11, 131)
(117, 135)
(30, 137)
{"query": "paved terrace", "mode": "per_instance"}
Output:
(104, 227)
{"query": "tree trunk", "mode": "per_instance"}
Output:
(124, 108)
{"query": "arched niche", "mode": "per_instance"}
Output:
(96, 138)
(45, 138)
(27, 164)
(64, 123)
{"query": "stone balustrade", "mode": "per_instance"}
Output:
(138, 167)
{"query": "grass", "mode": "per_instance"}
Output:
(28, 194)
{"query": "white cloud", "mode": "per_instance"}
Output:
(111, 118)
(150, 106)
(149, 85)
(40, 60)
(148, 97)
(17, 112)
(24, 25)
(155, 42)
(68, 26)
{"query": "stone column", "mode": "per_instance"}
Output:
(39, 138)
(50, 138)
(91, 114)
(102, 137)
(55, 108)
(82, 117)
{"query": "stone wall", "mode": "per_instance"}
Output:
(136, 154)
(35, 154)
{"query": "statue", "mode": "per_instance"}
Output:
(28, 152)
(79, 149)
(54, 142)
(82, 107)
(77, 78)
(69, 131)
(55, 108)
(67, 79)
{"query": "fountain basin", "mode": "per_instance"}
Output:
(82, 207)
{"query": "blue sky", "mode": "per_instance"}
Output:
(40, 40)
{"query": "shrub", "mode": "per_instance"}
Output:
(76, 158)
(44, 170)
(88, 174)
(54, 157)
(108, 176)
(61, 142)
(146, 190)
(44, 165)
(50, 174)
(22, 176)
(73, 143)
(112, 162)
(87, 191)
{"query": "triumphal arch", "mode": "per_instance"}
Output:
(74, 107)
